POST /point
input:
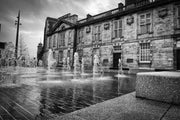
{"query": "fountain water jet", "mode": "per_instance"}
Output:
(96, 65)
(68, 63)
(76, 64)
(51, 61)
(120, 71)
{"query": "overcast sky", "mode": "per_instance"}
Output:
(34, 13)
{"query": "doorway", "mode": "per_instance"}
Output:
(178, 59)
(116, 57)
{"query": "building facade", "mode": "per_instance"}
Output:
(142, 33)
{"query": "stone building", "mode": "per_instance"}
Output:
(142, 33)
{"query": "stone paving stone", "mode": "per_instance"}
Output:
(173, 113)
(126, 107)
(69, 117)
(132, 115)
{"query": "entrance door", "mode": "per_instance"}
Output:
(178, 59)
(116, 57)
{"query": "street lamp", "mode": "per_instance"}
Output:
(17, 22)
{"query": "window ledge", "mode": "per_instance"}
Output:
(144, 61)
(145, 33)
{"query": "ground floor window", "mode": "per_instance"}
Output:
(60, 57)
(144, 52)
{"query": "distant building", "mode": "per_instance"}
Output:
(6, 53)
(142, 33)
(2, 48)
(39, 52)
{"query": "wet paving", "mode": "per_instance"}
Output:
(37, 93)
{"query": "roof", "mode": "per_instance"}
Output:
(138, 5)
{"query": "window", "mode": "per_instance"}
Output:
(54, 41)
(145, 23)
(117, 29)
(60, 56)
(62, 39)
(178, 16)
(0, 54)
(69, 38)
(80, 36)
(49, 42)
(97, 33)
(144, 52)
(54, 55)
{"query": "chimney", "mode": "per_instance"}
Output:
(120, 6)
(89, 16)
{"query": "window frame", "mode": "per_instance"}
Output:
(62, 39)
(118, 28)
(80, 35)
(97, 33)
(54, 41)
(145, 23)
(50, 42)
(178, 16)
(145, 52)
(70, 37)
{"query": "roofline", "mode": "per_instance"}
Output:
(123, 13)
(118, 14)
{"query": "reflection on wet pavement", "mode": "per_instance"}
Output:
(29, 93)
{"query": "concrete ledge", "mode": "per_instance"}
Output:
(160, 86)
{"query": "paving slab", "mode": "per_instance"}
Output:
(126, 107)
(173, 113)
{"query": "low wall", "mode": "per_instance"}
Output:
(160, 86)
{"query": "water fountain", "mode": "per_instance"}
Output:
(76, 64)
(120, 71)
(51, 61)
(96, 65)
(68, 63)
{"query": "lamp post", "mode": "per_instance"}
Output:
(17, 22)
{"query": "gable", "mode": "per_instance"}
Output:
(62, 26)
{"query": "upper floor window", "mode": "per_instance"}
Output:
(117, 29)
(178, 16)
(50, 42)
(145, 23)
(144, 52)
(80, 36)
(62, 39)
(47, 44)
(70, 37)
(54, 41)
(0, 54)
(97, 33)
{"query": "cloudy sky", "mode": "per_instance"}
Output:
(34, 13)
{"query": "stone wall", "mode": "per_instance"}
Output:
(163, 24)
(130, 30)
(130, 54)
(106, 56)
(106, 33)
(162, 54)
